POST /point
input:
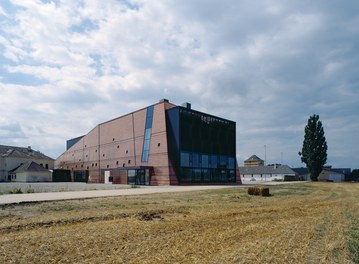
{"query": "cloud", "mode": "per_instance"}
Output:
(11, 130)
(68, 65)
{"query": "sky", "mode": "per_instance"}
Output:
(68, 65)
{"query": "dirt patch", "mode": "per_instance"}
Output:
(150, 216)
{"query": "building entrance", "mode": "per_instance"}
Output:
(139, 176)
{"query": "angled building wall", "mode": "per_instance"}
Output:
(117, 145)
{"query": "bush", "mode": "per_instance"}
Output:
(30, 190)
(277, 180)
(15, 190)
(262, 191)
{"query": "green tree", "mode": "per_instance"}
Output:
(314, 151)
(354, 176)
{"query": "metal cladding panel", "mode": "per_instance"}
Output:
(173, 133)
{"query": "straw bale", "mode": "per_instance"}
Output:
(258, 190)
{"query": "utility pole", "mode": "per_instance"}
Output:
(265, 155)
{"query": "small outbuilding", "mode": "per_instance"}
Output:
(30, 172)
(331, 175)
(327, 174)
(12, 157)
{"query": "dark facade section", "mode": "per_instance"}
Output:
(61, 176)
(73, 141)
(201, 146)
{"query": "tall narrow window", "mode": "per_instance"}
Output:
(147, 134)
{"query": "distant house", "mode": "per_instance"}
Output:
(253, 161)
(12, 157)
(328, 174)
(331, 175)
(266, 173)
(30, 171)
(302, 173)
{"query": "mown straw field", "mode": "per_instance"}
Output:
(298, 223)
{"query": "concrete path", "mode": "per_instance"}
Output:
(53, 196)
(124, 191)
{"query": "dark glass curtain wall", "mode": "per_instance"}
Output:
(202, 146)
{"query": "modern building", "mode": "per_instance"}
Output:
(271, 172)
(162, 144)
(253, 161)
(13, 157)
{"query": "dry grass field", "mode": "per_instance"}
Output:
(298, 223)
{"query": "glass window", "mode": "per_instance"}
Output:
(186, 175)
(131, 176)
(197, 175)
(232, 175)
(195, 158)
(206, 175)
(204, 161)
(215, 175)
(231, 163)
(145, 155)
(223, 161)
(149, 116)
(214, 161)
(224, 177)
(184, 159)
(147, 134)
(146, 145)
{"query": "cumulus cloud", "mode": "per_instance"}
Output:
(266, 65)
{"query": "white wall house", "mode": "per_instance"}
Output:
(265, 173)
(330, 175)
(12, 157)
(30, 172)
(327, 174)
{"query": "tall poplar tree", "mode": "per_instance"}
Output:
(314, 151)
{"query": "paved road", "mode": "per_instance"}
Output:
(53, 196)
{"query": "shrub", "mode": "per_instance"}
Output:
(277, 180)
(15, 190)
(30, 190)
